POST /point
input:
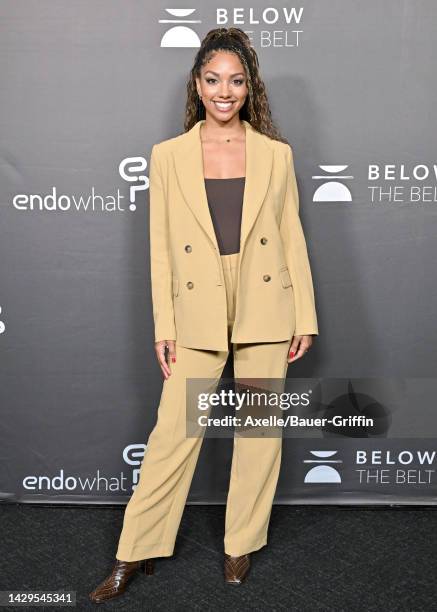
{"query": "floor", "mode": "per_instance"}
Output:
(318, 558)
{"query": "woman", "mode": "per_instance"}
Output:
(229, 266)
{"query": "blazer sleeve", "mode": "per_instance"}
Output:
(297, 256)
(160, 260)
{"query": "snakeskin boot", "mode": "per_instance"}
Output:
(115, 584)
(236, 568)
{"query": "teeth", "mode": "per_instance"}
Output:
(223, 105)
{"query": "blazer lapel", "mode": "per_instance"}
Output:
(188, 158)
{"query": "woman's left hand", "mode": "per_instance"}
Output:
(299, 346)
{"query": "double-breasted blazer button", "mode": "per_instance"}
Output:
(263, 240)
(266, 278)
(190, 285)
(188, 248)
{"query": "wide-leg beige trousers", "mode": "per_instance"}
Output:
(153, 514)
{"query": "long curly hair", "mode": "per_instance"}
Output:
(256, 109)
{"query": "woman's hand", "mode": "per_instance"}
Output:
(299, 346)
(160, 355)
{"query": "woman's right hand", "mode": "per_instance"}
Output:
(160, 355)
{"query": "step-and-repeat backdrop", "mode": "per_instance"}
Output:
(87, 89)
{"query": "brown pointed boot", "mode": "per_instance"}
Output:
(236, 568)
(115, 584)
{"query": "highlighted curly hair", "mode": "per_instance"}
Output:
(256, 109)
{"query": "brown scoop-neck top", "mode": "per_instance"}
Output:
(225, 201)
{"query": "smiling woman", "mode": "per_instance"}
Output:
(229, 272)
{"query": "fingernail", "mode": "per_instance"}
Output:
(173, 359)
(291, 353)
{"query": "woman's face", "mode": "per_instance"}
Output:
(223, 86)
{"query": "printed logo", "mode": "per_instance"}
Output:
(180, 35)
(332, 190)
(133, 456)
(129, 170)
(97, 483)
(322, 472)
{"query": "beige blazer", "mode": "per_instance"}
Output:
(275, 297)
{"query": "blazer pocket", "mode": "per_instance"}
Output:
(175, 284)
(285, 277)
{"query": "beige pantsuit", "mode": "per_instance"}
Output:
(254, 301)
(153, 514)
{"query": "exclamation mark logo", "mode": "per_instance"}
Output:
(2, 325)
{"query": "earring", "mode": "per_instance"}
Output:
(199, 106)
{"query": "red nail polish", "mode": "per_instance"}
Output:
(291, 353)
(173, 359)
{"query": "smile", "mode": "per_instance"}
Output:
(223, 106)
